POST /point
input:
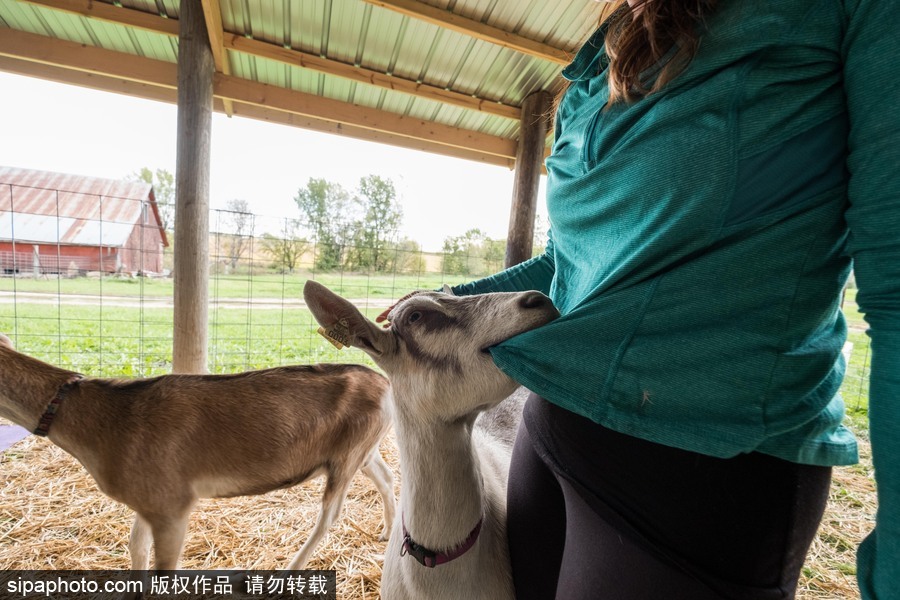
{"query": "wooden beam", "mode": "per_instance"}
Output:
(249, 111)
(192, 164)
(367, 76)
(300, 103)
(110, 13)
(134, 18)
(260, 113)
(212, 12)
(94, 81)
(88, 59)
(494, 35)
(529, 160)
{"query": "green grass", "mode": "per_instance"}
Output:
(851, 311)
(109, 285)
(234, 286)
(109, 340)
(855, 389)
(132, 342)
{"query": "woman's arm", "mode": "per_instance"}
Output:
(533, 274)
(872, 87)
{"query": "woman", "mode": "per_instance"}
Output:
(715, 168)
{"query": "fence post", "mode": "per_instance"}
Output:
(529, 158)
(191, 269)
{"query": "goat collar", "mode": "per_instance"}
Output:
(430, 558)
(43, 428)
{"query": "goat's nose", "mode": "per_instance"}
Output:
(534, 300)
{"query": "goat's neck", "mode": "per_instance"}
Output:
(442, 497)
(24, 399)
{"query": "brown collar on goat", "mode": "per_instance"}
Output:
(43, 428)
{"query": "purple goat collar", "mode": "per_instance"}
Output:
(43, 428)
(430, 558)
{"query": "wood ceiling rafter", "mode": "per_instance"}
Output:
(332, 67)
(112, 14)
(221, 39)
(117, 70)
(471, 27)
(212, 12)
(169, 95)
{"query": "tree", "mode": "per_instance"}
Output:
(241, 230)
(287, 250)
(465, 254)
(454, 262)
(326, 210)
(493, 252)
(406, 257)
(376, 232)
(163, 184)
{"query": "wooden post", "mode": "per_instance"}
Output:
(191, 270)
(529, 158)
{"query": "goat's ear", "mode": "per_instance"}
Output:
(343, 322)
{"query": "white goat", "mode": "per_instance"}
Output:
(159, 444)
(449, 540)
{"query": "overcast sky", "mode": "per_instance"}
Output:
(56, 127)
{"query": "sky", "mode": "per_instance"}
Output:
(68, 129)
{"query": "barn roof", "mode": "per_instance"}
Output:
(445, 76)
(46, 207)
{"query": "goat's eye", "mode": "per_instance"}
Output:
(413, 317)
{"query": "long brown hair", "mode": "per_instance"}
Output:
(648, 34)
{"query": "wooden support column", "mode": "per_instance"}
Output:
(195, 105)
(529, 158)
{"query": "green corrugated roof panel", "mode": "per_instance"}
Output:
(163, 8)
(81, 30)
(384, 41)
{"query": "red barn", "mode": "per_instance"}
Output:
(59, 223)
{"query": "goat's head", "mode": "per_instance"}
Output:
(437, 344)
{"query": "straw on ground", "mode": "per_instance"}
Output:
(52, 516)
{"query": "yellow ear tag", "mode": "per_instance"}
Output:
(338, 334)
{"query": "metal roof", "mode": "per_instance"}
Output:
(49, 208)
(446, 76)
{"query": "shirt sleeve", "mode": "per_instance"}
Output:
(871, 49)
(533, 274)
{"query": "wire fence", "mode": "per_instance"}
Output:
(85, 283)
(91, 290)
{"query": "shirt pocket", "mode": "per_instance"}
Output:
(787, 177)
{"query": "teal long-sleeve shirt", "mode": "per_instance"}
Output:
(701, 237)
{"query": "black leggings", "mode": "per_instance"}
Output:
(594, 514)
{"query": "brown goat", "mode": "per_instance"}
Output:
(159, 444)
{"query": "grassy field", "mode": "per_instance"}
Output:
(855, 388)
(231, 286)
(123, 327)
